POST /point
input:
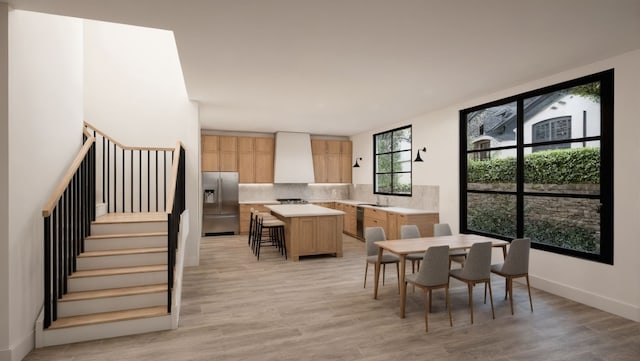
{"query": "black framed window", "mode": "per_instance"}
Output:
(547, 172)
(392, 162)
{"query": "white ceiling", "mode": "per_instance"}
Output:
(342, 67)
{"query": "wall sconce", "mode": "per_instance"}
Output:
(357, 165)
(418, 158)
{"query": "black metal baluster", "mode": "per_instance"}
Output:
(124, 208)
(164, 196)
(148, 181)
(108, 179)
(63, 243)
(92, 188)
(131, 157)
(156, 180)
(140, 179)
(103, 170)
(115, 178)
(47, 271)
(60, 247)
(72, 224)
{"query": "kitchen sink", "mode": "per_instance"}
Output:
(374, 205)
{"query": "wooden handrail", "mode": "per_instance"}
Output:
(160, 149)
(66, 179)
(174, 178)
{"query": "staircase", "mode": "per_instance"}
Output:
(113, 268)
(120, 283)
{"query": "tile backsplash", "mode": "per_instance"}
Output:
(424, 197)
(310, 192)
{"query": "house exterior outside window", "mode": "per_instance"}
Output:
(552, 130)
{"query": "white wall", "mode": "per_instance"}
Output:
(616, 288)
(135, 93)
(4, 183)
(45, 125)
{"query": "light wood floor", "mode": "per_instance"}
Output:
(235, 308)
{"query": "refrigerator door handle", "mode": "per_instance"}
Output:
(219, 197)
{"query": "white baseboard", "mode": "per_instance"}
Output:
(19, 351)
(610, 305)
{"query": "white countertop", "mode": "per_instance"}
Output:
(303, 210)
(398, 210)
(271, 201)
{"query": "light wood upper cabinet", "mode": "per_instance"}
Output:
(331, 161)
(210, 153)
(255, 159)
(264, 153)
(246, 160)
(228, 154)
(345, 159)
(219, 153)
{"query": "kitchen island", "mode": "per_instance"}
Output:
(310, 229)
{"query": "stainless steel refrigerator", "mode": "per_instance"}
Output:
(220, 203)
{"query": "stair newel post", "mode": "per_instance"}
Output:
(181, 177)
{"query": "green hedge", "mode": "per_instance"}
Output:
(562, 166)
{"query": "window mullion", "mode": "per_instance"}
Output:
(520, 168)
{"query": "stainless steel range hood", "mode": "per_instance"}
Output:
(293, 159)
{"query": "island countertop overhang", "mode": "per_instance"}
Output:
(302, 210)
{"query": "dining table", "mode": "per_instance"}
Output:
(403, 247)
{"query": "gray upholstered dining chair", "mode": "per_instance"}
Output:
(457, 255)
(476, 269)
(515, 265)
(412, 231)
(371, 235)
(433, 274)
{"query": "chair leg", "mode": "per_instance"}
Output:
(404, 299)
(398, 275)
(470, 287)
(485, 294)
(384, 269)
(493, 315)
(427, 309)
(366, 268)
(510, 285)
(430, 299)
(446, 300)
(529, 291)
(506, 287)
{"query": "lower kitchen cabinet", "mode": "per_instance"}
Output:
(392, 221)
(245, 215)
(350, 221)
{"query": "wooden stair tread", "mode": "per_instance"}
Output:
(120, 252)
(113, 292)
(96, 318)
(126, 235)
(118, 271)
(131, 217)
